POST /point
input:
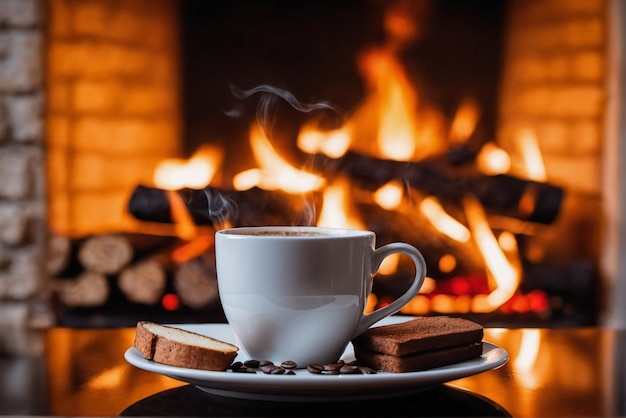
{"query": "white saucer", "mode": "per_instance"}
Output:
(304, 386)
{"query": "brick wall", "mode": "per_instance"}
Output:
(113, 106)
(88, 105)
(554, 83)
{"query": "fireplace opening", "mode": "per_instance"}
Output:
(446, 124)
(312, 49)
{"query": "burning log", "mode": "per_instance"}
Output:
(212, 207)
(502, 194)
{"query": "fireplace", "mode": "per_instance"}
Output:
(132, 87)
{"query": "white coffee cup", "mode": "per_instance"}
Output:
(298, 293)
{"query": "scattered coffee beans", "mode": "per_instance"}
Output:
(286, 367)
(340, 367)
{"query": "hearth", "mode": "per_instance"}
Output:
(470, 129)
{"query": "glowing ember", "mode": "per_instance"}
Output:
(447, 263)
(195, 173)
(170, 302)
(274, 172)
(444, 223)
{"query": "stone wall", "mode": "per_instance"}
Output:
(23, 293)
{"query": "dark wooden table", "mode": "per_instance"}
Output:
(551, 372)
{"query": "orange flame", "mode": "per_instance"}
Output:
(504, 274)
(274, 173)
(446, 224)
(389, 196)
(337, 211)
(195, 173)
(492, 160)
(192, 249)
(464, 122)
(334, 143)
(199, 241)
(183, 223)
(531, 154)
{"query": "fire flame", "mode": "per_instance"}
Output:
(531, 154)
(274, 173)
(389, 196)
(446, 224)
(504, 274)
(195, 173)
(492, 160)
(183, 223)
(334, 143)
(405, 130)
(198, 240)
(394, 122)
(337, 211)
(464, 122)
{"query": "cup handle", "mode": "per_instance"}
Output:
(420, 273)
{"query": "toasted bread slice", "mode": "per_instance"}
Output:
(420, 361)
(419, 335)
(177, 347)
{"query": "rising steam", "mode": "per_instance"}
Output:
(266, 111)
(220, 208)
(269, 100)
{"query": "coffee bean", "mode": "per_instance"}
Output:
(288, 364)
(267, 368)
(290, 372)
(334, 366)
(252, 363)
(244, 369)
(265, 363)
(277, 370)
(315, 368)
(347, 369)
(367, 370)
(340, 367)
(236, 365)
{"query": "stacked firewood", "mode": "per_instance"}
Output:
(143, 268)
